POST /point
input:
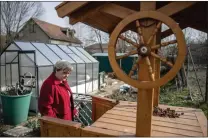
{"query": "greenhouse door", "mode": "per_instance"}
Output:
(27, 69)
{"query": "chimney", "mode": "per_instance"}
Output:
(71, 32)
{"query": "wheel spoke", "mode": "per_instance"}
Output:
(139, 31)
(163, 44)
(133, 52)
(134, 67)
(129, 41)
(152, 77)
(154, 32)
(162, 59)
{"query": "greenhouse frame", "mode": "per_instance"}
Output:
(39, 59)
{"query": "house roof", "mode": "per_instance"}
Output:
(54, 31)
(95, 48)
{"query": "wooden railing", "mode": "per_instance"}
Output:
(100, 106)
(54, 127)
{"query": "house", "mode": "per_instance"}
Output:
(36, 30)
(95, 48)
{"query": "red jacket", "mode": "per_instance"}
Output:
(56, 99)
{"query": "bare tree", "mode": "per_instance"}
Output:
(14, 14)
(89, 35)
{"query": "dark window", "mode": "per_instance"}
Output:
(32, 27)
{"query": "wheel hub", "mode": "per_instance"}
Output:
(143, 51)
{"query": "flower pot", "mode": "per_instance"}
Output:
(15, 108)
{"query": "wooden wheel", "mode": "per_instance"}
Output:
(145, 50)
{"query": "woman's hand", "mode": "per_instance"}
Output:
(75, 112)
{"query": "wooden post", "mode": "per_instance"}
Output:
(157, 71)
(145, 97)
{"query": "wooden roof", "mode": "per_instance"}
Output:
(106, 15)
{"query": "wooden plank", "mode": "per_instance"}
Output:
(176, 125)
(116, 10)
(114, 127)
(202, 122)
(69, 7)
(84, 13)
(154, 128)
(96, 131)
(177, 120)
(119, 117)
(156, 123)
(164, 134)
(60, 122)
(175, 7)
(116, 122)
(57, 131)
(134, 111)
(176, 131)
(169, 32)
(54, 127)
(100, 106)
(43, 129)
(172, 120)
(132, 114)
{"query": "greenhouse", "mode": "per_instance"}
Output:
(39, 58)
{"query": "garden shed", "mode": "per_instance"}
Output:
(39, 59)
(105, 66)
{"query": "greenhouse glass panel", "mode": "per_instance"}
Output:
(81, 73)
(60, 53)
(16, 59)
(87, 54)
(65, 48)
(76, 58)
(72, 80)
(3, 79)
(10, 56)
(80, 54)
(89, 73)
(43, 74)
(3, 58)
(95, 75)
(8, 75)
(26, 59)
(13, 47)
(47, 51)
(40, 59)
(15, 74)
(24, 70)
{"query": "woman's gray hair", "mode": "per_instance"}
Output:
(62, 65)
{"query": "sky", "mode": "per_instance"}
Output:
(51, 15)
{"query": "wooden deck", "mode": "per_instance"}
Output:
(121, 121)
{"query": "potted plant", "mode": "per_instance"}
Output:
(16, 101)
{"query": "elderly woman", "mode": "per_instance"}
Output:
(56, 98)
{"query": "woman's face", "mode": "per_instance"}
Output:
(63, 74)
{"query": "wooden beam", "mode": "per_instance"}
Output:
(169, 32)
(175, 7)
(92, 9)
(116, 10)
(67, 8)
(145, 96)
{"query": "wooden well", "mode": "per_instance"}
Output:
(108, 17)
